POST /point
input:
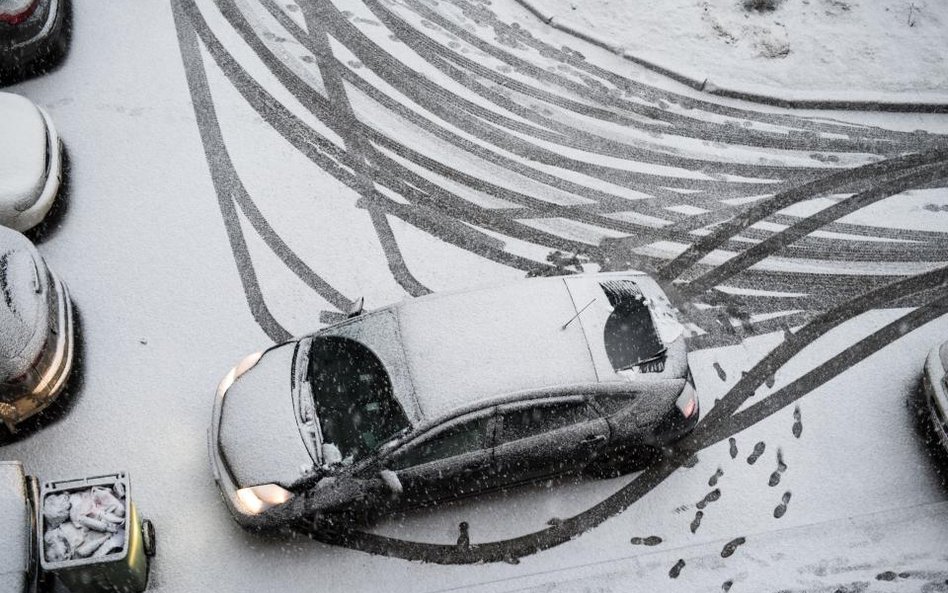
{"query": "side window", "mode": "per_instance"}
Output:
(464, 438)
(531, 421)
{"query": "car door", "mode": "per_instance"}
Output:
(449, 461)
(543, 437)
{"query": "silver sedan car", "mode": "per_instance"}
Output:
(36, 331)
(453, 394)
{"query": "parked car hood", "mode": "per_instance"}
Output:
(22, 152)
(258, 438)
(24, 316)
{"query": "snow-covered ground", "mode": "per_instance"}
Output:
(811, 48)
(213, 206)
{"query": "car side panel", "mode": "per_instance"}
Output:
(463, 474)
(552, 452)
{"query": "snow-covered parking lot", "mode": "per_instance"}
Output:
(240, 172)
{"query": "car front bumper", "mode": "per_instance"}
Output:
(223, 476)
(51, 383)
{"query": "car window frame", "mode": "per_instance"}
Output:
(487, 444)
(499, 424)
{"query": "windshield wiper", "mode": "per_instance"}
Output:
(652, 358)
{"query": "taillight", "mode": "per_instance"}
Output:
(14, 12)
(687, 402)
(689, 408)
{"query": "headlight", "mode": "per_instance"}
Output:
(257, 499)
(233, 374)
(687, 402)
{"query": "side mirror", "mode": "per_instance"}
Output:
(355, 309)
(391, 481)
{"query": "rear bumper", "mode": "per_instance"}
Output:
(674, 425)
(34, 37)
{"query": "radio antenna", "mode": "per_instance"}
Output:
(578, 312)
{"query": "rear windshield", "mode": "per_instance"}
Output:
(630, 335)
(353, 396)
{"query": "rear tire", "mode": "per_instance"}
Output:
(622, 462)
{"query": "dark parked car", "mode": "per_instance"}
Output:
(935, 391)
(36, 331)
(452, 394)
(31, 32)
(19, 495)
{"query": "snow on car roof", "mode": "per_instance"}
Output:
(23, 315)
(466, 347)
(23, 150)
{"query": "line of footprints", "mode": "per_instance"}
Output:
(779, 511)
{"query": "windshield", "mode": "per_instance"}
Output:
(353, 396)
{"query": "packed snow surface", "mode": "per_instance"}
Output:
(837, 46)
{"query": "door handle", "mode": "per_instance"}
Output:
(593, 439)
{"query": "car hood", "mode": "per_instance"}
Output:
(24, 316)
(259, 440)
(22, 152)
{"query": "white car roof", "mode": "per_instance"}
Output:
(463, 348)
(23, 146)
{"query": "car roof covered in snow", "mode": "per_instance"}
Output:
(468, 347)
(22, 152)
(24, 316)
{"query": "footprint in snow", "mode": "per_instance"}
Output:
(709, 498)
(464, 536)
(733, 443)
(727, 586)
(781, 508)
(696, 523)
(713, 480)
(720, 371)
(781, 467)
(676, 570)
(756, 453)
(797, 422)
(652, 540)
(731, 546)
